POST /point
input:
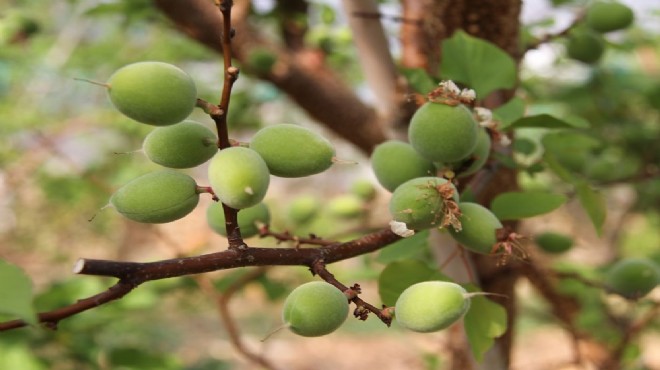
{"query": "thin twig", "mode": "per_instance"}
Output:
(222, 303)
(286, 236)
(363, 308)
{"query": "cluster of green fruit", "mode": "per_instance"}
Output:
(318, 308)
(585, 43)
(163, 95)
(446, 137)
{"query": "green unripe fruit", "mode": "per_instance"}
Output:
(587, 47)
(239, 177)
(315, 309)
(552, 242)
(431, 306)
(421, 203)
(303, 209)
(477, 158)
(248, 219)
(478, 228)
(154, 93)
(183, 145)
(395, 162)
(157, 197)
(633, 278)
(364, 190)
(261, 60)
(609, 16)
(293, 151)
(346, 206)
(443, 133)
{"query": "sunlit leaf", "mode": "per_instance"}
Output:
(477, 63)
(484, 321)
(518, 205)
(405, 248)
(16, 293)
(399, 275)
(510, 111)
(593, 202)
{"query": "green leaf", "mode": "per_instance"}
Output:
(517, 205)
(593, 201)
(399, 275)
(541, 121)
(409, 247)
(557, 167)
(477, 63)
(510, 112)
(419, 80)
(16, 293)
(484, 321)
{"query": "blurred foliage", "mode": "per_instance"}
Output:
(58, 165)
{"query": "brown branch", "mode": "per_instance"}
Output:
(132, 274)
(552, 36)
(302, 76)
(633, 329)
(363, 308)
(286, 236)
(222, 302)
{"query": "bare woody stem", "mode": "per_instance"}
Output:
(220, 116)
(132, 274)
(363, 308)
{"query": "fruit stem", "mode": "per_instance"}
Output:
(107, 86)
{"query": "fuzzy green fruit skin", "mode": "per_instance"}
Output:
(633, 278)
(157, 197)
(239, 177)
(479, 155)
(315, 309)
(418, 204)
(303, 209)
(587, 47)
(293, 151)
(154, 93)
(431, 306)
(479, 227)
(183, 145)
(395, 162)
(609, 16)
(443, 133)
(248, 218)
(553, 242)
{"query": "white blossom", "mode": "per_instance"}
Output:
(400, 228)
(468, 95)
(504, 140)
(483, 114)
(450, 87)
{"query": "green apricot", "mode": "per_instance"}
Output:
(346, 206)
(154, 93)
(443, 133)
(303, 209)
(477, 159)
(248, 219)
(478, 228)
(157, 197)
(419, 203)
(609, 16)
(315, 309)
(395, 162)
(553, 242)
(431, 306)
(239, 177)
(183, 145)
(363, 189)
(584, 46)
(293, 151)
(261, 60)
(632, 278)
